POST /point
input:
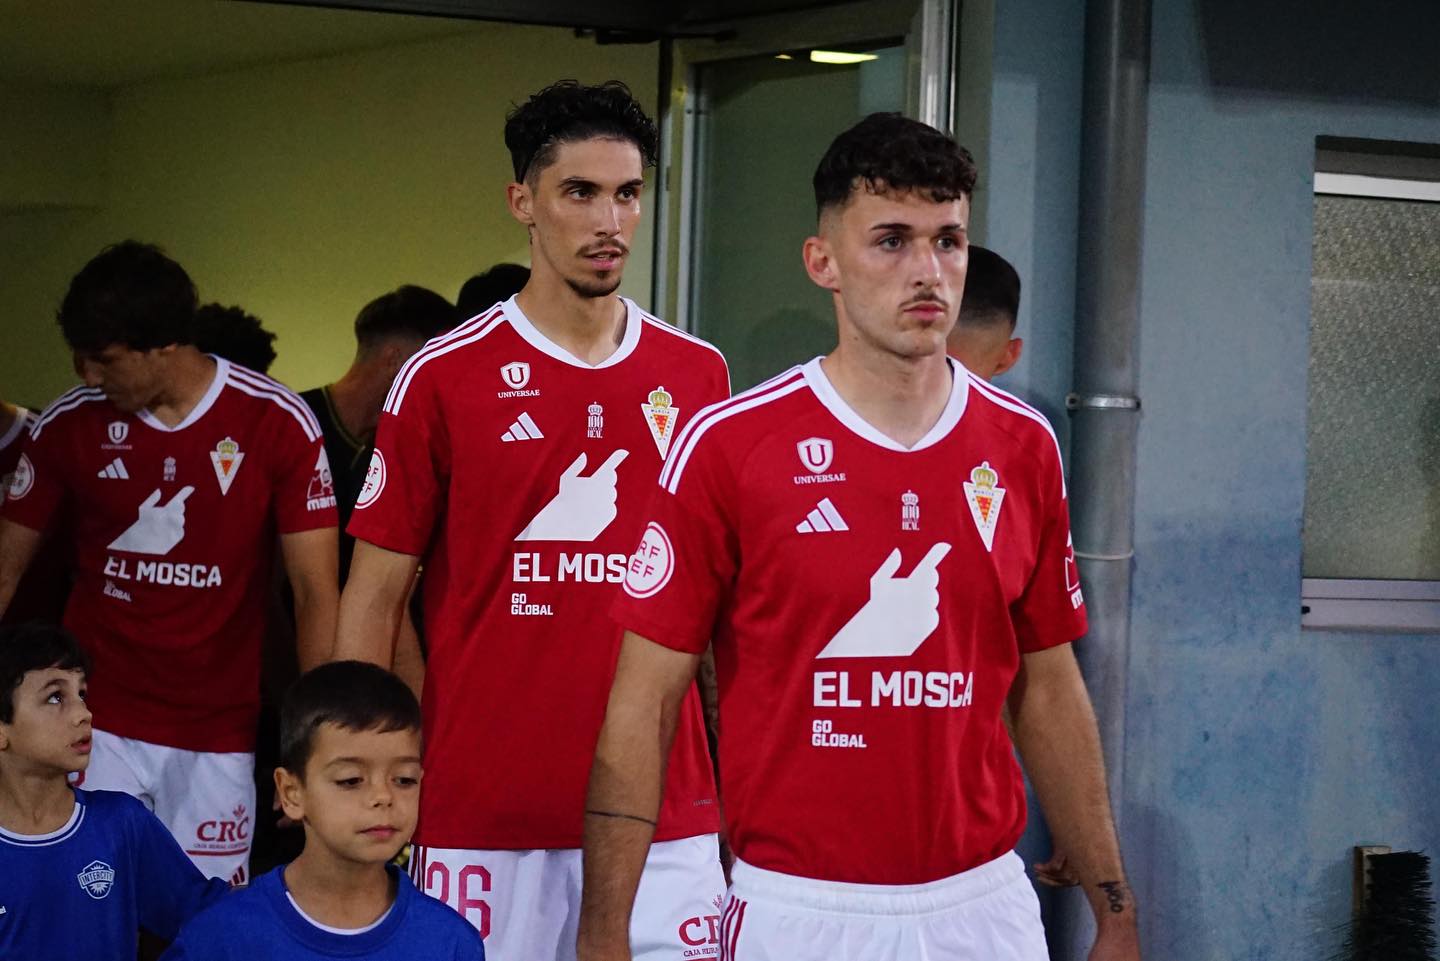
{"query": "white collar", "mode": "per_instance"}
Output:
(527, 329)
(217, 384)
(950, 416)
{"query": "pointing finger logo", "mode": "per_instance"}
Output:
(900, 614)
(158, 528)
(583, 506)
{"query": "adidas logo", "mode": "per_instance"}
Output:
(115, 470)
(822, 519)
(523, 429)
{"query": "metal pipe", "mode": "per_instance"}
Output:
(1105, 407)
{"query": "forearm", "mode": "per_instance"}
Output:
(315, 620)
(18, 545)
(373, 604)
(623, 805)
(1059, 743)
(409, 660)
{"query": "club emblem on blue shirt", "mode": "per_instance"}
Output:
(96, 879)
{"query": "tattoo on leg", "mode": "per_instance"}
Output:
(1115, 893)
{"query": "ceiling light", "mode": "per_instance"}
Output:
(840, 57)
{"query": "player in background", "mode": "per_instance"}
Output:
(983, 338)
(41, 595)
(499, 283)
(872, 613)
(231, 333)
(173, 471)
(350, 772)
(81, 872)
(515, 456)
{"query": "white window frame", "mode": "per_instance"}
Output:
(1354, 604)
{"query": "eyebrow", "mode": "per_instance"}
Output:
(408, 759)
(910, 229)
(569, 182)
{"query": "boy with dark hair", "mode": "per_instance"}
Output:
(982, 339)
(350, 772)
(170, 473)
(231, 333)
(872, 797)
(514, 456)
(81, 872)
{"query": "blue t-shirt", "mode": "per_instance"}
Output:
(85, 890)
(261, 922)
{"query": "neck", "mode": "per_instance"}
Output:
(591, 328)
(358, 397)
(190, 375)
(35, 802)
(902, 397)
(336, 891)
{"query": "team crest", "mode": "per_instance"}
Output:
(118, 431)
(816, 453)
(515, 374)
(594, 420)
(226, 457)
(909, 511)
(660, 416)
(169, 470)
(97, 879)
(985, 497)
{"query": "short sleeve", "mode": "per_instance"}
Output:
(685, 565)
(408, 472)
(170, 890)
(37, 486)
(1051, 611)
(305, 488)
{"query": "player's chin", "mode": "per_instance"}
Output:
(597, 283)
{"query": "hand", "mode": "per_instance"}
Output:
(901, 612)
(582, 508)
(1057, 872)
(1116, 942)
(157, 529)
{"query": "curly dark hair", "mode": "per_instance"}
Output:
(129, 294)
(887, 151)
(568, 111)
(231, 333)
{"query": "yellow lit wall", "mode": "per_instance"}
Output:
(298, 191)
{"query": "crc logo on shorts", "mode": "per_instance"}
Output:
(701, 934)
(22, 480)
(652, 563)
(230, 835)
(97, 879)
(816, 453)
(374, 481)
(515, 374)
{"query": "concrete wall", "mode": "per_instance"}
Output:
(1257, 754)
(301, 190)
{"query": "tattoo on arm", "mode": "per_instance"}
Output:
(616, 814)
(1117, 894)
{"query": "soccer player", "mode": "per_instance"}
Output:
(515, 456)
(879, 544)
(983, 339)
(239, 337)
(173, 471)
(350, 772)
(81, 872)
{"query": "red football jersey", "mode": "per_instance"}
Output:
(174, 532)
(42, 591)
(869, 606)
(520, 473)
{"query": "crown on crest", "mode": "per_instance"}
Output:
(227, 448)
(659, 397)
(984, 475)
(595, 409)
(909, 498)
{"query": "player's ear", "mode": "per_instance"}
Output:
(820, 263)
(521, 200)
(290, 792)
(1011, 356)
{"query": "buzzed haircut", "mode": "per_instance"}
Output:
(889, 152)
(231, 333)
(569, 111)
(352, 695)
(500, 282)
(409, 311)
(35, 647)
(129, 294)
(992, 291)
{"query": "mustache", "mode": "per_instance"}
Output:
(609, 246)
(925, 298)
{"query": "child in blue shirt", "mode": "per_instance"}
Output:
(350, 773)
(81, 872)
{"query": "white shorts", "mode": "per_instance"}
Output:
(206, 800)
(526, 904)
(988, 913)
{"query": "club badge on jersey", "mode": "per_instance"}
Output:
(660, 417)
(985, 496)
(226, 457)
